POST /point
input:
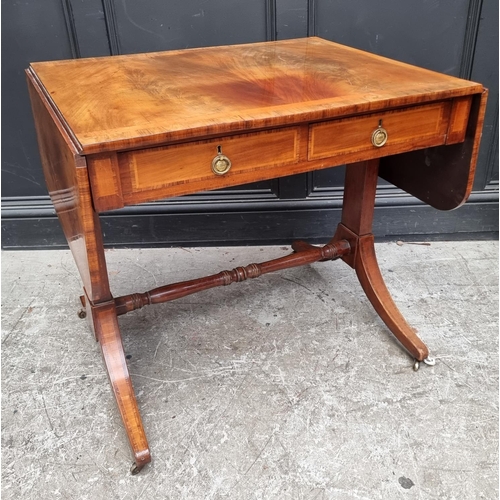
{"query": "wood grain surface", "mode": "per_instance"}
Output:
(442, 176)
(130, 101)
(68, 183)
(356, 229)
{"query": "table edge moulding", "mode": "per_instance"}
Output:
(122, 130)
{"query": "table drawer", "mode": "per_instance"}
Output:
(178, 169)
(407, 129)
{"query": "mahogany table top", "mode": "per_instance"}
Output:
(131, 101)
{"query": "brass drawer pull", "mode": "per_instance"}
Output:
(221, 163)
(379, 136)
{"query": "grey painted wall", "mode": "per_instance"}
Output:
(457, 37)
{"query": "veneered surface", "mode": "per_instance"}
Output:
(121, 102)
(68, 184)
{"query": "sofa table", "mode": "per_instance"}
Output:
(121, 130)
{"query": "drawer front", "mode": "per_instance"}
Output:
(131, 177)
(185, 168)
(407, 129)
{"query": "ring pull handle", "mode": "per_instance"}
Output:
(379, 135)
(221, 163)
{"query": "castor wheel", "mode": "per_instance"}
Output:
(82, 313)
(428, 361)
(135, 469)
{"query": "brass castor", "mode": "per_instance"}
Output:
(135, 469)
(82, 313)
(428, 361)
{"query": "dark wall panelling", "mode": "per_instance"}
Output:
(271, 27)
(71, 27)
(87, 27)
(279, 227)
(108, 7)
(292, 19)
(483, 69)
(428, 34)
(31, 31)
(471, 34)
(159, 25)
(311, 18)
(458, 37)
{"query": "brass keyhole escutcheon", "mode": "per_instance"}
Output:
(379, 136)
(221, 163)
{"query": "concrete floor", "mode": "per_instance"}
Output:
(284, 387)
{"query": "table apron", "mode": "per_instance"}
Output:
(126, 178)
